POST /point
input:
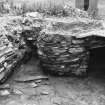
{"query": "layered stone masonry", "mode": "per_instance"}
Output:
(62, 43)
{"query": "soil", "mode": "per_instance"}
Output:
(30, 86)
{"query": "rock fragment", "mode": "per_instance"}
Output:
(4, 92)
(12, 47)
(44, 93)
(18, 92)
(33, 85)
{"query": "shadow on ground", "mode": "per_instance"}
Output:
(97, 63)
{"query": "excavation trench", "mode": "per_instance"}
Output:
(30, 85)
(62, 46)
(96, 63)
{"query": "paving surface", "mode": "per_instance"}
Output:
(29, 86)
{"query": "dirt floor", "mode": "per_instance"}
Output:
(30, 86)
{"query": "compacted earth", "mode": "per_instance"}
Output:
(31, 86)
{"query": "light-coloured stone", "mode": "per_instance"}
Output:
(18, 92)
(4, 92)
(44, 93)
(38, 81)
(33, 85)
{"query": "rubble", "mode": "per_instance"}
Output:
(12, 48)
